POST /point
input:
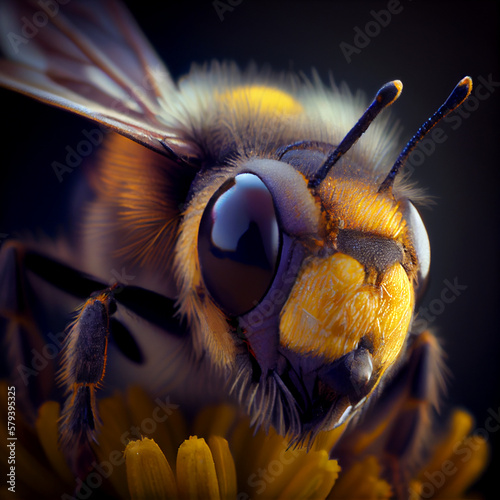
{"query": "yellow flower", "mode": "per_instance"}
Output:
(216, 468)
(148, 473)
(147, 450)
(36, 467)
(457, 462)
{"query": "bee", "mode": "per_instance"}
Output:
(249, 238)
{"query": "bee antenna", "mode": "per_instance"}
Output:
(385, 97)
(455, 99)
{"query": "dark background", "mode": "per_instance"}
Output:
(428, 45)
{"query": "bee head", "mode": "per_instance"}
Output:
(305, 278)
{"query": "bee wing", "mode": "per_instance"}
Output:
(91, 58)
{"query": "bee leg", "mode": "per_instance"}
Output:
(29, 364)
(398, 426)
(423, 381)
(84, 355)
(82, 373)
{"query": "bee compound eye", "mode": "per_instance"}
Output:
(421, 244)
(239, 244)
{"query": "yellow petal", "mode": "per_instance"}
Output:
(30, 469)
(459, 427)
(224, 467)
(156, 421)
(457, 462)
(196, 475)
(464, 467)
(327, 439)
(148, 473)
(314, 480)
(415, 490)
(275, 465)
(48, 435)
(115, 433)
(214, 421)
(362, 480)
(241, 441)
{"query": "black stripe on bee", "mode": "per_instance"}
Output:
(372, 251)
